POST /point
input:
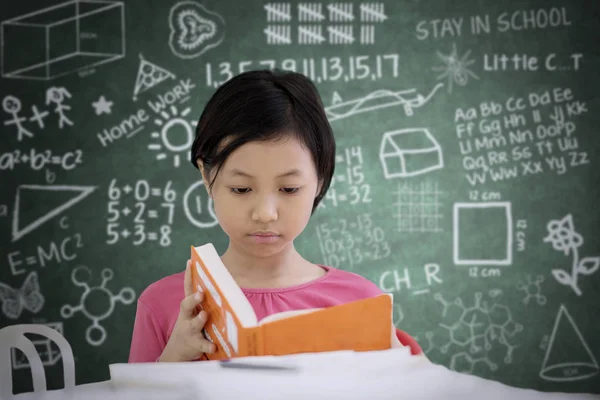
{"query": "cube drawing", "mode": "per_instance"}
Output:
(61, 39)
(409, 152)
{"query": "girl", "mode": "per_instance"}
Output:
(266, 153)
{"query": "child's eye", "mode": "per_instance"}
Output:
(240, 190)
(290, 190)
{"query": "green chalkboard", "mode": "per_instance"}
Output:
(466, 175)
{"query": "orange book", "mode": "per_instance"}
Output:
(233, 327)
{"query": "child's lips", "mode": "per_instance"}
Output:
(264, 233)
(264, 237)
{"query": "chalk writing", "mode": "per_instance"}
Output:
(348, 243)
(507, 140)
(141, 193)
(324, 69)
(38, 160)
(56, 251)
(351, 177)
(398, 280)
(505, 21)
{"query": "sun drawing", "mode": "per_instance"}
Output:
(455, 69)
(176, 135)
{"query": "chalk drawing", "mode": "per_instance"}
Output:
(418, 207)
(476, 332)
(12, 105)
(310, 34)
(97, 36)
(341, 34)
(148, 76)
(562, 235)
(80, 192)
(502, 252)
(57, 96)
(409, 152)
(378, 99)
(367, 34)
(280, 34)
(102, 106)
(91, 298)
(310, 12)
(173, 125)
(194, 29)
(372, 12)
(28, 297)
(455, 69)
(38, 116)
(533, 289)
(198, 206)
(340, 18)
(568, 357)
(336, 98)
(341, 12)
(278, 12)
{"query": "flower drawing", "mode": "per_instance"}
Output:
(562, 235)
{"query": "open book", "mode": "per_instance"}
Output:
(233, 327)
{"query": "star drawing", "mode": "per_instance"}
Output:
(102, 106)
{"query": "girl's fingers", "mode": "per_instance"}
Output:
(188, 306)
(188, 285)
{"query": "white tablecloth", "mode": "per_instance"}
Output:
(389, 374)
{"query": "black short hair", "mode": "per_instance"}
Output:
(265, 106)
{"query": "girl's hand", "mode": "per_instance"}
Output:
(397, 344)
(187, 343)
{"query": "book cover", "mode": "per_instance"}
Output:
(232, 325)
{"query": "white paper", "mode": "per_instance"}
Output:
(346, 375)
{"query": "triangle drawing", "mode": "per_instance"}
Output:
(337, 99)
(568, 357)
(79, 193)
(148, 76)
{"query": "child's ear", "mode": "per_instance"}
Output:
(319, 186)
(204, 177)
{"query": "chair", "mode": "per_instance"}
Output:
(14, 337)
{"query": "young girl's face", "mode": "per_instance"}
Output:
(263, 195)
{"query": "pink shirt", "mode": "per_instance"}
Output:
(158, 306)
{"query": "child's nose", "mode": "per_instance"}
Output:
(265, 209)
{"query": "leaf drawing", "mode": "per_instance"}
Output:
(588, 265)
(562, 276)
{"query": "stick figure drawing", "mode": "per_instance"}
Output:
(57, 96)
(12, 105)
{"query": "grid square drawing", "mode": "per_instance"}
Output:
(418, 208)
(493, 252)
(62, 39)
